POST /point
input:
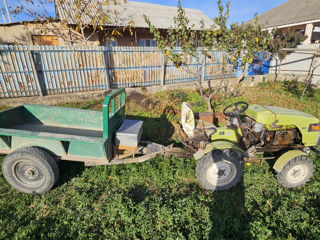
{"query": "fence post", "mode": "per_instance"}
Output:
(163, 69)
(203, 67)
(35, 72)
(106, 65)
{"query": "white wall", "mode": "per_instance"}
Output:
(298, 63)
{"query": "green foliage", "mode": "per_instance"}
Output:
(240, 42)
(178, 96)
(287, 39)
(82, 105)
(183, 35)
(161, 199)
(245, 41)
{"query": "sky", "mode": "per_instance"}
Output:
(240, 10)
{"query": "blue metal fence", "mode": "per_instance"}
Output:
(42, 70)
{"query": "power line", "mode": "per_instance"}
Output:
(8, 13)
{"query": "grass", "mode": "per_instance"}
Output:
(161, 199)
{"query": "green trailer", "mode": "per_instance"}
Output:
(35, 137)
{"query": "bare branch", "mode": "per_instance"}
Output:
(83, 18)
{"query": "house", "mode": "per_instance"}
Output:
(160, 15)
(33, 33)
(294, 15)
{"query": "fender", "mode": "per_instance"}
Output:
(52, 145)
(216, 146)
(286, 157)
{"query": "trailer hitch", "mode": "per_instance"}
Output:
(147, 150)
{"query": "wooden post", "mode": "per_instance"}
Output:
(135, 38)
(35, 73)
(106, 65)
(163, 69)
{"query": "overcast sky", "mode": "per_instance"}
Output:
(240, 10)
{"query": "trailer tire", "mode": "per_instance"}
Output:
(30, 170)
(298, 171)
(220, 169)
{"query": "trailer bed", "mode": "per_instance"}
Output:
(59, 130)
(68, 133)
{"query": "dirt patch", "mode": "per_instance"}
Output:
(56, 99)
(136, 97)
(141, 99)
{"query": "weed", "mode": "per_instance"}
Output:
(161, 199)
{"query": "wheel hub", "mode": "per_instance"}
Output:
(221, 173)
(28, 173)
(297, 173)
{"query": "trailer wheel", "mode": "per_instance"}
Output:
(30, 170)
(296, 172)
(220, 170)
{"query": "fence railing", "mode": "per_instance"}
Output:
(42, 70)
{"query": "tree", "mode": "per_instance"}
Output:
(243, 43)
(239, 43)
(315, 63)
(287, 39)
(183, 34)
(80, 19)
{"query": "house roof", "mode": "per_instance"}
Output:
(161, 16)
(28, 22)
(291, 12)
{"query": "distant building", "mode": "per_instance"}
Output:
(294, 15)
(160, 15)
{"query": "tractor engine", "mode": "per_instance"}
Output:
(257, 135)
(282, 137)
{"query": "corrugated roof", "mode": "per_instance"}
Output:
(291, 12)
(160, 15)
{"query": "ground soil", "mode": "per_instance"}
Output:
(56, 99)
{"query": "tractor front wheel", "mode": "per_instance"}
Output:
(220, 170)
(296, 172)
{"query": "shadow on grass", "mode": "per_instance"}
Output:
(296, 88)
(139, 193)
(216, 215)
(229, 216)
(69, 170)
(159, 130)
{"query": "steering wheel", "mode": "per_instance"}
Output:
(235, 109)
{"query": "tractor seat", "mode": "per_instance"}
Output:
(193, 127)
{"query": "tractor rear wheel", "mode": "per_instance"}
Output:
(30, 170)
(296, 172)
(220, 170)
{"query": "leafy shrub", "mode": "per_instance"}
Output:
(178, 96)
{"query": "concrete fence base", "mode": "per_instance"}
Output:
(218, 85)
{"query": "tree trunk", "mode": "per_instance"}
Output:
(243, 74)
(278, 70)
(209, 104)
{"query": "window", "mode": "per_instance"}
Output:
(315, 38)
(147, 43)
(45, 40)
